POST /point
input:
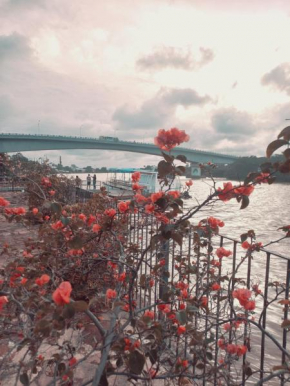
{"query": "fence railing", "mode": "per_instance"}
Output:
(267, 341)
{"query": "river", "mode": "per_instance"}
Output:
(268, 210)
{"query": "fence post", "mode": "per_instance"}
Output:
(163, 286)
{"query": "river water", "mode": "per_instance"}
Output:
(269, 210)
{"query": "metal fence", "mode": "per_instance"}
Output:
(269, 270)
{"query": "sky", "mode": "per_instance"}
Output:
(220, 70)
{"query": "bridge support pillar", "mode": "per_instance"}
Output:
(193, 170)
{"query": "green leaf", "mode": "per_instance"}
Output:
(273, 146)
(136, 362)
(181, 317)
(182, 158)
(56, 208)
(245, 202)
(80, 306)
(285, 133)
(65, 220)
(167, 157)
(177, 237)
(164, 168)
(244, 237)
(68, 311)
(287, 153)
(24, 379)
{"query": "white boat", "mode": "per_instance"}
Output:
(148, 181)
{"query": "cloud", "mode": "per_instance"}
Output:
(279, 78)
(233, 124)
(157, 111)
(14, 46)
(166, 57)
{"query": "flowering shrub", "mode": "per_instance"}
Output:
(142, 305)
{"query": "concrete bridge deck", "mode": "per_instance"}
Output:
(10, 143)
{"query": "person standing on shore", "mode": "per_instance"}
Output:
(89, 181)
(78, 182)
(94, 181)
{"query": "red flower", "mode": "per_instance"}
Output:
(155, 196)
(221, 252)
(167, 140)
(72, 361)
(111, 294)
(136, 176)
(34, 210)
(4, 202)
(61, 295)
(52, 192)
(149, 208)
(149, 314)
(241, 350)
(262, 178)
(231, 348)
(222, 344)
(244, 190)
(189, 183)
(174, 194)
(139, 198)
(96, 228)
(123, 206)
(122, 277)
(45, 181)
(136, 187)
(181, 330)
(250, 305)
(82, 217)
(44, 279)
(204, 301)
(91, 220)
(110, 212)
(24, 281)
(215, 223)
(3, 300)
(227, 192)
(215, 287)
(57, 225)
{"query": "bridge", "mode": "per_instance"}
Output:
(10, 143)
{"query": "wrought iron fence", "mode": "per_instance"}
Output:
(269, 270)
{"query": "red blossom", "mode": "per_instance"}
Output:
(96, 228)
(123, 206)
(4, 202)
(111, 294)
(57, 225)
(149, 314)
(244, 190)
(110, 212)
(45, 181)
(174, 194)
(155, 196)
(72, 361)
(181, 330)
(214, 223)
(42, 280)
(52, 192)
(136, 176)
(167, 140)
(215, 287)
(149, 208)
(136, 187)
(61, 295)
(34, 210)
(3, 300)
(262, 178)
(222, 252)
(189, 183)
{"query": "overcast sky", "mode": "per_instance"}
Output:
(126, 68)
